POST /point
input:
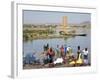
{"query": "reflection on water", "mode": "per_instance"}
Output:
(36, 46)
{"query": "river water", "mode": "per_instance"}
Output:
(36, 46)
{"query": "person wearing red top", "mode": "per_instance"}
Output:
(62, 51)
(50, 55)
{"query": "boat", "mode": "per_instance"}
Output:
(74, 34)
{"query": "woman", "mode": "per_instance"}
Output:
(62, 51)
(79, 57)
(50, 55)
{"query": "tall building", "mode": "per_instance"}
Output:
(64, 25)
(64, 21)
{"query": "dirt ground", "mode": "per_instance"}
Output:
(39, 66)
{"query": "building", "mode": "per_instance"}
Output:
(64, 25)
(64, 22)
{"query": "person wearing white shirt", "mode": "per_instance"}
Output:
(85, 55)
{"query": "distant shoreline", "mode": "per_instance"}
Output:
(55, 36)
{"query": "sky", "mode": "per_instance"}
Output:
(49, 17)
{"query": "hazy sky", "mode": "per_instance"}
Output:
(43, 17)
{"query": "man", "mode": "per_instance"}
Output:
(85, 55)
(57, 51)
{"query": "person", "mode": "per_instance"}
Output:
(79, 56)
(62, 51)
(79, 59)
(46, 47)
(65, 50)
(50, 55)
(69, 51)
(72, 60)
(57, 51)
(44, 58)
(85, 55)
(78, 51)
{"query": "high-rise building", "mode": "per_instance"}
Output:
(64, 25)
(64, 21)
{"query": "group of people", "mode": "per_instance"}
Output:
(66, 54)
(82, 57)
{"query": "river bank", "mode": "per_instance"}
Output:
(39, 66)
